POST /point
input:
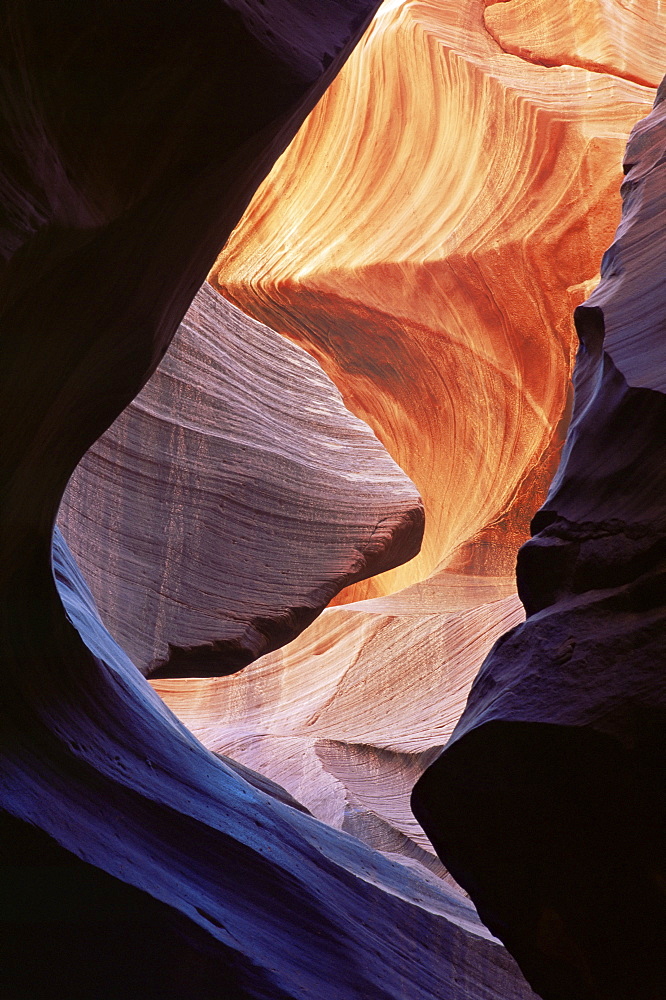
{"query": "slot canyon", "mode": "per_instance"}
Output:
(332, 529)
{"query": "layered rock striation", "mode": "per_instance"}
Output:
(608, 36)
(548, 803)
(132, 139)
(479, 191)
(346, 717)
(232, 500)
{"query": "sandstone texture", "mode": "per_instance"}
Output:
(425, 238)
(348, 716)
(232, 500)
(478, 189)
(613, 37)
(548, 803)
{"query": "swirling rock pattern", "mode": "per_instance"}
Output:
(610, 36)
(479, 191)
(130, 144)
(561, 844)
(232, 500)
(348, 715)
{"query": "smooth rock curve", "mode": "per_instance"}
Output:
(348, 715)
(232, 500)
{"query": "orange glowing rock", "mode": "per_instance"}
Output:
(607, 36)
(427, 233)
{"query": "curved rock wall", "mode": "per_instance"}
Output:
(348, 715)
(246, 896)
(232, 500)
(483, 192)
(130, 144)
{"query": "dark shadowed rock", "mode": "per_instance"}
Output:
(211, 885)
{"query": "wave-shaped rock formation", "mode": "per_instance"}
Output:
(548, 804)
(139, 862)
(478, 186)
(232, 500)
(346, 718)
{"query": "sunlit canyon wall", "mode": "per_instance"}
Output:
(429, 232)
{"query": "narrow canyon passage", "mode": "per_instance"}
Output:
(274, 725)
